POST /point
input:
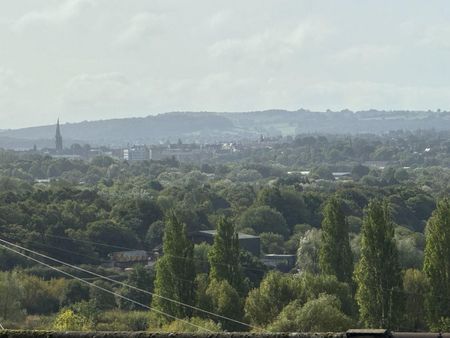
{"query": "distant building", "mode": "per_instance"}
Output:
(136, 154)
(249, 243)
(126, 259)
(58, 139)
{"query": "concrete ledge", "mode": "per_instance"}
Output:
(53, 334)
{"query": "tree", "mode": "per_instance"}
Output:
(415, 285)
(193, 325)
(154, 235)
(226, 302)
(264, 219)
(175, 271)
(272, 243)
(335, 257)
(75, 292)
(67, 320)
(139, 278)
(313, 286)
(318, 315)
(11, 294)
(274, 293)
(224, 255)
(308, 251)
(378, 274)
(287, 201)
(437, 265)
(359, 170)
(102, 300)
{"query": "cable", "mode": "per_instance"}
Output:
(94, 259)
(89, 242)
(130, 286)
(103, 289)
(134, 249)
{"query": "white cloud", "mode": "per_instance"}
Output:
(105, 94)
(61, 13)
(366, 54)
(436, 36)
(220, 19)
(273, 45)
(86, 89)
(142, 26)
(108, 58)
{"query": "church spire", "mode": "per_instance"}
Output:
(58, 138)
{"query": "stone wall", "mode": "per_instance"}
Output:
(51, 334)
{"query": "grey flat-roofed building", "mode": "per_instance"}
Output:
(247, 242)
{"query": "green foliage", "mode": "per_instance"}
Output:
(175, 271)
(101, 299)
(287, 201)
(275, 292)
(308, 251)
(314, 285)
(201, 253)
(67, 320)
(437, 265)
(335, 256)
(263, 219)
(154, 235)
(193, 325)
(318, 315)
(322, 172)
(11, 295)
(119, 205)
(415, 286)
(224, 255)
(272, 243)
(40, 296)
(377, 274)
(226, 302)
(124, 321)
(74, 292)
(140, 278)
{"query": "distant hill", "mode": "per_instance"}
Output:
(211, 127)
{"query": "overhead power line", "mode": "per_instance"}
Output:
(130, 286)
(134, 249)
(103, 289)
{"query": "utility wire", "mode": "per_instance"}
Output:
(130, 286)
(133, 249)
(101, 288)
(92, 258)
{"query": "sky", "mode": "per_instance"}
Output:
(99, 59)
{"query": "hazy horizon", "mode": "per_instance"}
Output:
(97, 59)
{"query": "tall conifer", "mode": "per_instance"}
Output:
(377, 274)
(335, 253)
(437, 266)
(175, 271)
(224, 255)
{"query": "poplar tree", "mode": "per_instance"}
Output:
(175, 271)
(437, 266)
(335, 256)
(377, 274)
(224, 255)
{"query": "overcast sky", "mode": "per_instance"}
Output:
(98, 59)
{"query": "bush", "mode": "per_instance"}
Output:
(319, 315)
(123, 321)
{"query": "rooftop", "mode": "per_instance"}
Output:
(240, 234)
